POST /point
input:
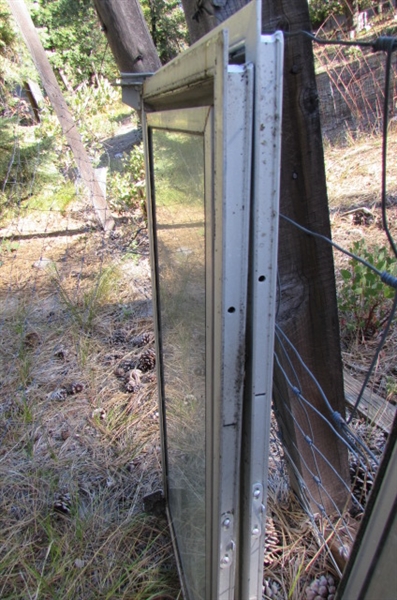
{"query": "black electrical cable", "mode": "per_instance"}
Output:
(386, 277)
(391, 47)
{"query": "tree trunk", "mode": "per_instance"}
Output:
(308, 309)
(199, 16)
(128, 35)
(204, 15)
(22, 17)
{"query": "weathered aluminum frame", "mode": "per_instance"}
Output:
(196, 79)
(227, 223)
(262, 302)
(371, 570)
(200, 121)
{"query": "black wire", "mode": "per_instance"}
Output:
(384, 145)
(386, 44)
(306, 368)
(384, 275)
(382, 43)
(331, 42)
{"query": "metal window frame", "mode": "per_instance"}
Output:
(262, 300)
(195, 121)
(228, 158)
(201, 77)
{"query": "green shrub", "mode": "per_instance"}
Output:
(364, 301)
(320, 10)
(167, 25)
(24, 162)
(71, 33)
(7, 33)
(127, 187)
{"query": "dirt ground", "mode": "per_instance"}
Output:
(79, 436)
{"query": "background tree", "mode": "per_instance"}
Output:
(320, 10)
(30, 35)
(72, 37)
(128, 35)
(7, 34)
(167, 26)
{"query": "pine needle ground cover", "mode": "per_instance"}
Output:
(79, 447)
(79, 437)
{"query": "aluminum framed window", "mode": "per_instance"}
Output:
(199, 211)
(211, 122)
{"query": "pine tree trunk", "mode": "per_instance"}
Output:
(308, 309)
(128, 35)
(25, 23)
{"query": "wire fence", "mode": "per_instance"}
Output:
(76, 321)
(357, 96)
(351, 82)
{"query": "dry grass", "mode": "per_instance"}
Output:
(78, 450)
(353, 181)
(354, 172)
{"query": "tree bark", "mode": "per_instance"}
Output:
(28, 30)
(204, 15)
(199, 16)
(128, 35)
(308, 309)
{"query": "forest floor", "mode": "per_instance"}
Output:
(80, 449)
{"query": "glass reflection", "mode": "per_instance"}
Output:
(179, 214)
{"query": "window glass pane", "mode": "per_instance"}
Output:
(178, 165)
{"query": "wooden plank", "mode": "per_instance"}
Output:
(307, 311)
(377, 409)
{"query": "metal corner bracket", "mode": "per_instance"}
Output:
(131, 86)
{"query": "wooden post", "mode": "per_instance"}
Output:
(25, 23)
(127, 33)
(308, 310)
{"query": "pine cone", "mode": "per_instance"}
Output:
(119, 337)
(272, 543)
(133, 381)
(74, 388)
(147, 360)
(271, 589)
(32, 340)
(142, 340)
(324, 587)
(123, 368)
(62, 503)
